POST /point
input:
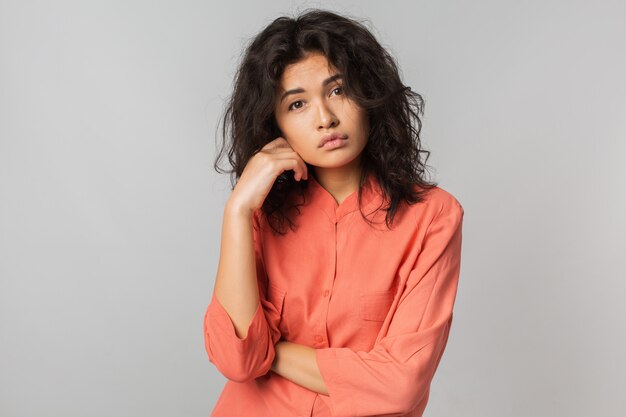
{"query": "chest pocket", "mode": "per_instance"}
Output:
(375, 306)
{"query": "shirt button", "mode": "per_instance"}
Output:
(326, 292)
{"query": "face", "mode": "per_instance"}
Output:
(311, 106)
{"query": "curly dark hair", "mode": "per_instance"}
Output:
(393, 153)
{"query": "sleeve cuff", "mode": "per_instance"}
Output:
(219, 320)
(340, 396)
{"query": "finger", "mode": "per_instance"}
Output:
(302, 167)
(279, 142)
(280, 149)
(286, 163)
(305, 168)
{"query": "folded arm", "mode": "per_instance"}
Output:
(240, 325)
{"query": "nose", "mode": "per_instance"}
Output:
(327, 117)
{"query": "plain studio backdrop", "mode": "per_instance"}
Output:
(110, 210)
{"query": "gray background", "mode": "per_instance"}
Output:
(110, 211)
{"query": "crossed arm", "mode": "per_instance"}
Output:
(396, 372)
(298, 364)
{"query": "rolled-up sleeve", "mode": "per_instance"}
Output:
(238, 359)
(395, 375)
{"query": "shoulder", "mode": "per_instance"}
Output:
(438, 203)
(442, 198)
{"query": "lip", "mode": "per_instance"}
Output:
(331, 137)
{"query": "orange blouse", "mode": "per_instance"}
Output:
(376, 304)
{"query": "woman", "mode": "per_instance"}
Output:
(346, 312)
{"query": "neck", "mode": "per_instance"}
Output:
(339, 182)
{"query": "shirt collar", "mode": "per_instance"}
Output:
(319, 197)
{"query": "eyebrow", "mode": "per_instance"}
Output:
(301, 90)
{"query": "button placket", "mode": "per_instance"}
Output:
(321, 338)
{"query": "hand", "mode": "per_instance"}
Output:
(298, 363)
(261, 172)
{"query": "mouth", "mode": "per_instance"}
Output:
(331, 137)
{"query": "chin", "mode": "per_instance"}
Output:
(334, 164)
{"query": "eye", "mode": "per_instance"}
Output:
(295, 105)
(338, 90)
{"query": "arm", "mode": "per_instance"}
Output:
(235, 284)
(240, 327)
(395, 376)
(298, 364)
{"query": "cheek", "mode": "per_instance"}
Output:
(356, 113)
(291, 133)
(293, 129)
(285, 124)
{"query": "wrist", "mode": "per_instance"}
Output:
(233, 207)
(277, 348)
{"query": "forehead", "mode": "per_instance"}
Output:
(310, 70)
